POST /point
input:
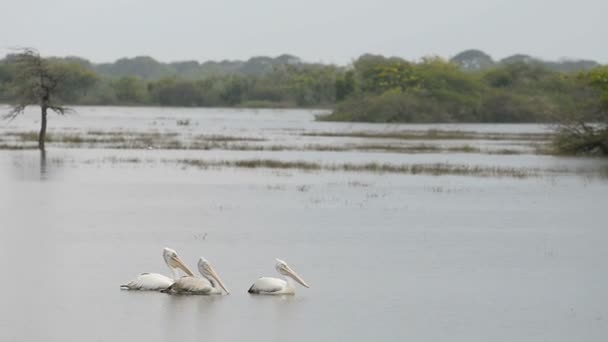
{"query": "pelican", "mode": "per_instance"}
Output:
(155, 281)
(207, 285)
(275, 286)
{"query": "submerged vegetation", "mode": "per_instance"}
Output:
(470, 87)
(413, 142)
(433, 134)
(126, 140)
(437, 169)
(430, 169)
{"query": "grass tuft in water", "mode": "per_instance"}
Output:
(434, 134)
(437, 169)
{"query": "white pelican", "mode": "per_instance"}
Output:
(155, 281)
(208, 285)
(275, 286)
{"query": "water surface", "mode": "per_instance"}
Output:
(389, 257)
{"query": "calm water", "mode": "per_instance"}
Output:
(389, 257)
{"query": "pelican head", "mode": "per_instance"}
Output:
(174, 261)
(207, 271)
(285, 270)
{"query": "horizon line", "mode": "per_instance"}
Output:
(303, 60)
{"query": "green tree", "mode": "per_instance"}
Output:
(473, 60)
(174, 92)
(598, 78)
(235, 89)
(6, 72)
(345, 85)
(130, 90)
(45, 83)
(394, 75)
(585, 130)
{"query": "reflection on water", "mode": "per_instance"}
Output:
(33, 165)
(43, 166)
(185, 308)
(604, 171)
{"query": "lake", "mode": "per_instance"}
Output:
(390, 256)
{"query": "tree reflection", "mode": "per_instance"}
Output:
(43, 165)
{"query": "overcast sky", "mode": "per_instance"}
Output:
(317, 30)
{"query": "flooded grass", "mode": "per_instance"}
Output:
(290, 139)
(125, 140)
(506, 151)
(9, 147)
(174, 144)
(358, 184)
(226, 138)
(181, 141)
(432, 169)
(434, 134)
(21, 136)
(173, 141)
(436, 169)
(416, 148)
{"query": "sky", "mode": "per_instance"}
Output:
(329, 31)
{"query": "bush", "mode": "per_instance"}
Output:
(392, 106)
(582, 139)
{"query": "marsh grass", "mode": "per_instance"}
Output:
(18, 147)
(117, 160)
(278, 167)
(226, 138)
(416, 148)
(358, 184)
(434, 134)
(506, 151)
(126, 140)
(175, 141)
(437, 169)
(21, 136)
(122, 160)
(171, 142)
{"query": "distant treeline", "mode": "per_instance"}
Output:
(284, 81)
(470, 87)
(467, 88)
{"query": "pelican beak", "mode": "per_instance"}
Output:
(176, 262)
(296, 277)
(217, 278)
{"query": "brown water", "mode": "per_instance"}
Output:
(388, 256)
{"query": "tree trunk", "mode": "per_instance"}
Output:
(42, 135)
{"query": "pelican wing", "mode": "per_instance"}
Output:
(148, 282)
(267, 285)
(191, 285)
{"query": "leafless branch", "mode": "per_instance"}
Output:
(14, 112)
(61, 109)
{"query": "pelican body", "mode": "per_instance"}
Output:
(276, 286)
(207, 285)
(156, 281)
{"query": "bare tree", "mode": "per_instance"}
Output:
(46, 83)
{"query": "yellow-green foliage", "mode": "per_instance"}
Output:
(435, 90)
(598, 78)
